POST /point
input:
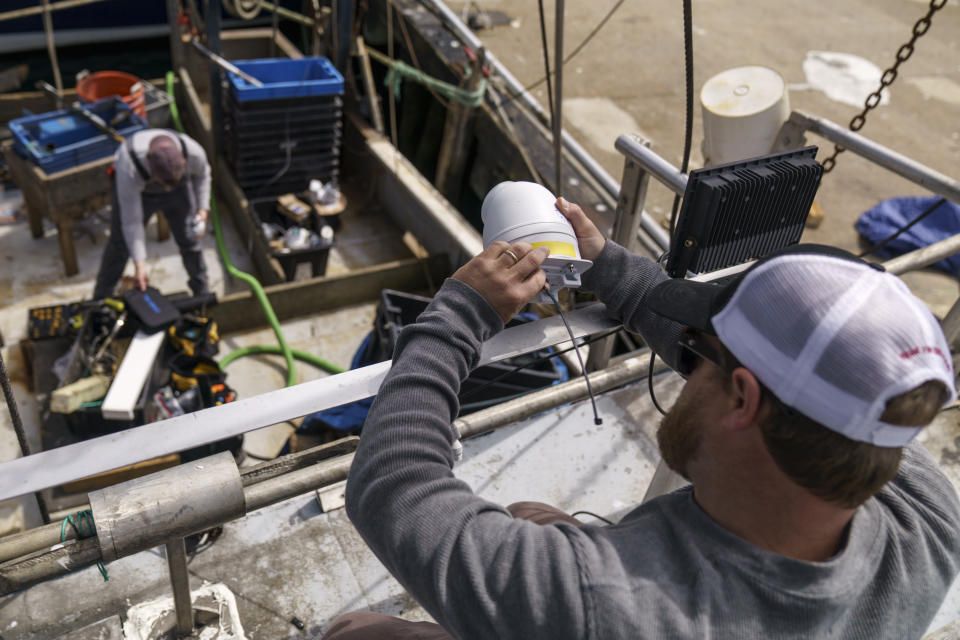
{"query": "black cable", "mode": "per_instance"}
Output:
(546, 59)
(591, 514)
(896, 233)
(519, 367)
(653, 395)
(573, 339)
(688, 134)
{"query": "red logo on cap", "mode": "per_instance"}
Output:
(915, 351)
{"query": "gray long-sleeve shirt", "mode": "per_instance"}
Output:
(667, 570)
(130, 184)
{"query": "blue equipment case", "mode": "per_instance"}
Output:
(59, 140)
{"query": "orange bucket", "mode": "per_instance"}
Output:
(103, 84)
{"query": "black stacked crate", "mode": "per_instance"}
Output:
(278, 137)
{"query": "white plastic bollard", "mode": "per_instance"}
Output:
(743, 109)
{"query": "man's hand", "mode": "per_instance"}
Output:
(505, 282)
(203, 214)
(140, 276)
(589, 238)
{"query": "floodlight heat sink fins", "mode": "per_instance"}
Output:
(743, 210)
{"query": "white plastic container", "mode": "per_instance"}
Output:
(743, 109)
(526, 212)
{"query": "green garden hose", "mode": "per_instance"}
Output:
(283, 348)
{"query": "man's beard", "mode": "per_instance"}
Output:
(680, 434)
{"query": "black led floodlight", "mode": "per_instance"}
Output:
(735, 212)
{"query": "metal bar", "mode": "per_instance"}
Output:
(575, 390)
(82, 459)
(58, 561)
(294, 461)
(19, 430)
(51, 47)
(40, 538)
(180, 581)
(56, 6)
(225, 64)
(33, 540)
(887, 158)
(297, 482)
(572, 146)
(662, 170)
(288, 14)
(558, 98)
(924, 257)
(626, 227)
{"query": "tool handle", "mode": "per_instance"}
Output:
(225, 64)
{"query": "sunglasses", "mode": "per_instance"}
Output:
(693, 350)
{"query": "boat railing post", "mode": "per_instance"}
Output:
(626, 228)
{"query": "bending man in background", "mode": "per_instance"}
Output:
(156, 170)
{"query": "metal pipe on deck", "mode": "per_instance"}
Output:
(791, 136)
(924, 257)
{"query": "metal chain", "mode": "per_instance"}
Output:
(873, 100)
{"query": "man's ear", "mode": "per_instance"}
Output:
(746, 398)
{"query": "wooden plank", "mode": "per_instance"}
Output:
(107, 478)
(242, 312)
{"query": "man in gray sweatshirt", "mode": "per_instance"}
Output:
(156, 170)
(809, 514)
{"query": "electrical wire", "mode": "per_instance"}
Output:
(573, 339)
(591, 514)
(653, 395)
(688, 123)
(896, 233)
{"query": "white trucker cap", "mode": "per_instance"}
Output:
(830, 335)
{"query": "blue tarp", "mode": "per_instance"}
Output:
(884, 219)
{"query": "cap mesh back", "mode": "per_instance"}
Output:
(833, 338)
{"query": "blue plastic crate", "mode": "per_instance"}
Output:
(58, 140)
(284, 78)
